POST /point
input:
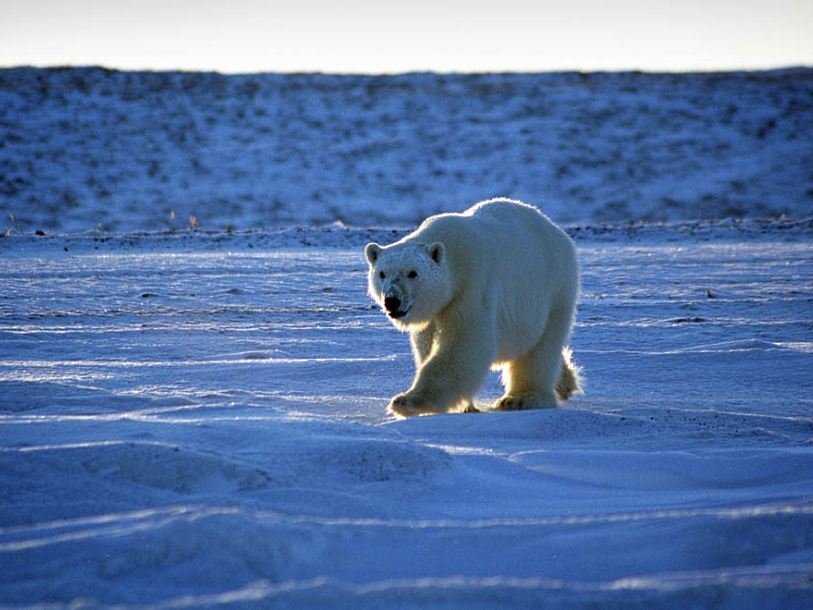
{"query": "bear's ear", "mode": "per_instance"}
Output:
(437, 251)
(372, 252)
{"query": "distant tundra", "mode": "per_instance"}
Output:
(492, 287)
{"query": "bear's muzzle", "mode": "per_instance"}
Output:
(393, 306)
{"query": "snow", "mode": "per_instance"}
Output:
(196, 418)
(124, 151)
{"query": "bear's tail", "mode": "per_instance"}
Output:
(570, 379)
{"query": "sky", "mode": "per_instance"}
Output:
(380, 36)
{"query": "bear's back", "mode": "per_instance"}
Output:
(516, 229)
(497, 218)
(508, 215)
(499, 237)
(502, 237)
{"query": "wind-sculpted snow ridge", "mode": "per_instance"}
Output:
(126, 151)
(198, 419)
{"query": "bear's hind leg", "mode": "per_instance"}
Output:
(570, 379)
(530, 380)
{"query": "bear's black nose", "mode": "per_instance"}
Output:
(392, 304)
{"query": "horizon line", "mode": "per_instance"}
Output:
(298, 72)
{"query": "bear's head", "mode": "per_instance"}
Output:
(410, 281)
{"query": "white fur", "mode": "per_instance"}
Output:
(493, 287)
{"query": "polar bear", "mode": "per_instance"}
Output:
(492, 287)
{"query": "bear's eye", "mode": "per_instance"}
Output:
(382, 275)
(412, 275)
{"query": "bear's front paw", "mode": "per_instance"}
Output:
(407, 405)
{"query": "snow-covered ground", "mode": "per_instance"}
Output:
(198, 419)
(81, 148)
